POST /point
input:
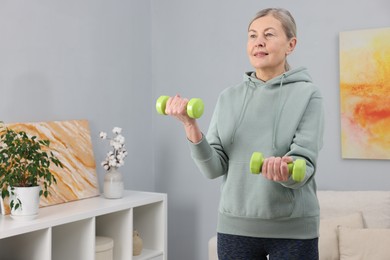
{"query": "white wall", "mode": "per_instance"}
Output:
(89, 59)
(198, 49)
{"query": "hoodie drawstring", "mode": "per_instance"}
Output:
(241, 116)
(277, 119)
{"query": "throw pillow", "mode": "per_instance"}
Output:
(374, 206)
(328, 244)
(358, 244)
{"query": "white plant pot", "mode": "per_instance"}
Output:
(29, 197)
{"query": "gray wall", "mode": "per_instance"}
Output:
(198, 49)
(107, 61)
(89, 59)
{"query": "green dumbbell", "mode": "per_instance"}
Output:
(297, 168)
(195, 106)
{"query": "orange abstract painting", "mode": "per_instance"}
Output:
(365, 93)
(71, 142)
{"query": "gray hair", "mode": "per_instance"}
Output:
(285, 18)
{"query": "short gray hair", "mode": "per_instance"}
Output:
(284, 17)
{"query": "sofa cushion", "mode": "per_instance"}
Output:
(328, 245)
(364, 243)
(213, 248)
(374, 205)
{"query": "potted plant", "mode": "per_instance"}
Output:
(24, 167)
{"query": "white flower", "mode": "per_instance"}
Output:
(120, 139)
(103, 135)
(117, 130)
(115, 144)
(112, 163)
(115, 157)
(121, 156)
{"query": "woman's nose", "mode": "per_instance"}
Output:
(260, 42)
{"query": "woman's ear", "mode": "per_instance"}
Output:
(291, 45)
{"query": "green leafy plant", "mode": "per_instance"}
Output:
(24, 162)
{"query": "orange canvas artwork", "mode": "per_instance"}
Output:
(71, 142)
(365, 93)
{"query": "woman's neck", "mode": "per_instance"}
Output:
(265, 75)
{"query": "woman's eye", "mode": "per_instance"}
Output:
(252, 36)
(268, 35)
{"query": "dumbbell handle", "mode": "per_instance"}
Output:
(297, 168)
(195, 106)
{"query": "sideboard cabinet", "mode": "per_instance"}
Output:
(67, 231)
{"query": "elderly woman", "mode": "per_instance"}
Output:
(275, 110)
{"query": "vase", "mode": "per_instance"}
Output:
(137, 243)
(113, 184)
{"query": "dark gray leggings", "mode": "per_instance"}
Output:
(232, 247)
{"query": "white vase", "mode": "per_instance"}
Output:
(113, 184)
(29, 198)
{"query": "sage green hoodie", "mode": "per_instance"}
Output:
(283, 116)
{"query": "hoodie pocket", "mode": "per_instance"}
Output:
(251, 195)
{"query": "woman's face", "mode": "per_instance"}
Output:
(268, 46)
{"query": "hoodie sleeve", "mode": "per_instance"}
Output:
(308, 139)
(208, 154)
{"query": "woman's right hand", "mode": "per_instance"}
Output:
(177, 107)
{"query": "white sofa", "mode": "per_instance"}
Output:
(354, 225)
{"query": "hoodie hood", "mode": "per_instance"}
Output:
(292, 76)
(296, 75)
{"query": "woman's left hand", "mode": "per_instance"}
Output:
(276, 169)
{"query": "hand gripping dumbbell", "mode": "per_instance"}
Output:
(195, 106)
(297, 168)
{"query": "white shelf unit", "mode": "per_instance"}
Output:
(67, 231)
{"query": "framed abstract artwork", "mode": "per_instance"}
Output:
(365, 93)
(71, 142)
